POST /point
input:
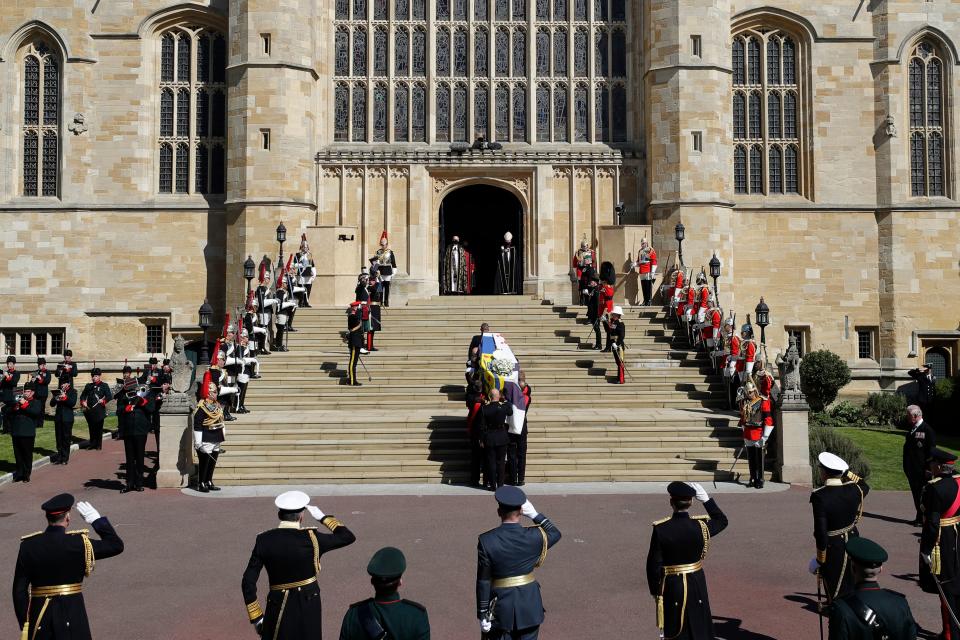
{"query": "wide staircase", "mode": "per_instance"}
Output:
(407, 424)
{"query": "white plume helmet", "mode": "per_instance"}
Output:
(583, 243)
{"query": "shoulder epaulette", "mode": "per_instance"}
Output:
(79, 532)
(934, 480)
(703, 517)
(30, 535)
(361, 603)
(414, 604)
(661, 520)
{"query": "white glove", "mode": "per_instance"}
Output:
(528, 510)
(486, 626)
(701, 492)
(315, 512)
(90, 515)
(814, 566)
(197, 439)
(923, 556)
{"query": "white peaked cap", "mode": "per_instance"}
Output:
(292, 500)
(508, 236)
(832, 461)
(617, 311)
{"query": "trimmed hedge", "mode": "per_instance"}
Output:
(822, 375)
(824, 439)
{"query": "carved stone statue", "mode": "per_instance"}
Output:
(789, 366)
(890, 125)
(182, 367)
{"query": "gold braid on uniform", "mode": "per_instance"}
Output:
(316, 549)
(88, 558)
(331, 523)
(543, 552)
(214, 417)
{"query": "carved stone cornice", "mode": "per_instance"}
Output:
(488, 158)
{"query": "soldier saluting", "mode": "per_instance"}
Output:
(291, 555)
(675, 576)
(508, 595)
(51, 566)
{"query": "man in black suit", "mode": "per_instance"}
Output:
(917, 445)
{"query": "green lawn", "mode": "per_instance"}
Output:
(883, 448)
(45, 444)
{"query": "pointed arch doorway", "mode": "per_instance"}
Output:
(480, 215)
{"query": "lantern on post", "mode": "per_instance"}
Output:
(281, 238)
(678, 232)
(715, 273)
(249, 269)
(763, 319)
(206, 316)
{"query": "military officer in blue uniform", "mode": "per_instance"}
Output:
(291, 555)
(506, 558)
(386, 612)
(51, 566)
(678, 547)
(870, 612)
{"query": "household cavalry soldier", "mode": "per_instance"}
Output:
(713, 333)
(266, 303)
(583, 260)
(837, 509)
(939, 559)
(615, 334)
(286, 306)
(678, 547)
(509, 605)
(23, 430)
(670, 289)
(385, 260)
(208, 433)
(297, 291)
(362, 297)
(251, 324)
(646, 265)
(9, 382)
(690, 307)
(385, 615)
(376, 296)
(354, 340)
(747, 354)
(732, 341)
(291, 555)
(591, 281)
(41, 382)
(870, 612)
(232, 368)
(249, 369)
(93, 401)
(755, 420)
(64, 400)
(68, 367)
(306, 270)
(51, 566)
(225, 391)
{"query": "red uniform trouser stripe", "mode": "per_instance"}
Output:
(369, 340)
(947, 622)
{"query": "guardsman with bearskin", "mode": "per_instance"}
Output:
(23, 430)
(837, 509)
(385, 260)
(615, 334)
(678, 547)
(63, 400)
(208, 432)
(939, 554)
(93, 401)
(646, 265)
(755, 419)
(592, 299)
(509, 603)
(51, 566)
(291, 555)
(605, 294)
(583, 260)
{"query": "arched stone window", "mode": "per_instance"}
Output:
(443, 51)
(502, 112)
(359, 111)
(419, 47)
(460, 112)
(419, 124)
(41, 120)
(380, 9)
(481, 11)
(460, 52)
(501, 52)
(401, 100)
(401, 54)
(360, 51)
(193, 110)
(602, 113)
(380, 112)
(401, 10)
(543, 113)
(443, 112)
(341, 112)
(767, 121)
(481, 45)
(601, 55)
(519, 10)
(380, 53)
(543, 51)
(560, 113)
(581, 106)
(519, 113)
(927, 122)
(580, 53)
(519, 52)
(481, 101)
(560, 52)
(341, 47)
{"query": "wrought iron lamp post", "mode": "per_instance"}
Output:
(715, 273)
(206, 313)
(281, 238)
(763, 319)
(249, 268)
(679, 235)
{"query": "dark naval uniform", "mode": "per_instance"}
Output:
(291, 556)
(870, 612)
(837, 509)
(506, 558)
(48, 579)
(675, 575)
(140, 410)
(941, 517)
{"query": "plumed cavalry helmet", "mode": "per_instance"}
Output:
(583, 243)
(730, 322)
(608, 274)
(702, 277)
(749, 388)
(747, 329)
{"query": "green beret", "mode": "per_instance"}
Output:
(387, 563)
(866, 552)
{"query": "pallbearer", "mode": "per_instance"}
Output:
(51, 566)
(291, 555)
(385, 260)
(675, 575)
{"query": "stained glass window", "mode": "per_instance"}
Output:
(543, 52)
(219, 63)
(560, 113)
(619, 10)
(166, 168)
(203, 113)
(773, 61)
(519, 113)
(41, 91)
(790, 115)
(791, 169)
(460, 113)
(927, 125)
(580, 53)
(401, 53)
(581, 102)
(543, 9)
(50, 154)
(934, 74)
(519, 9)
(739, 169)
(559, 10)
(359, 112)
(560, 52)
(166, 57)
(502, 110)
(419, 9)
(501, 53)
(602, 61)
(183, 58)
(341, 113)
(183, 113)
(459, 9)
(202, 170)
(600, 10)
(756, 169)
(753, 58)
(359, 9)
(602, 113)
(619, 47)
(343, 10)
(360, 51)
(380, 51)
(756, 130)
(580, 10)
(481, 46)
(443, 51)
(773, 115)
(543, 113)
(380, 9)
(481, 101)
(918, 165)
(739, 116)
(739, 63)
(480, 10)
(519, 52)
(934, 163)
(776, 170)
(443, 9)
(30, 159)
(166, 112)
(460, 52)
(219, 128)
(182, 168)
(203, 58)
(402, 10)
(619, 113)
(443, 113)
(419, 113)
(379, 113)
(419, 51)
(502, 9)
(400, 102)
(789, 62)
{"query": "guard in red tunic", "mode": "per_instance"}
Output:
(748, 352)
(608, 277)
(646, 265)
(669, 290)
(733, 350)
(703, 297)
(690, 305)
(755, 417)
(710, 329)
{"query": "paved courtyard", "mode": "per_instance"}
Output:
(179, 576)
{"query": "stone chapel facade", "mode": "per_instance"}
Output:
(147, 148)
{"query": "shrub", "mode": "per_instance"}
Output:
(886, 408)
(822, 375)
(829, 440)
(943, 390)
(847, 414)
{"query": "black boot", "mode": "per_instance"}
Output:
(202, 464)
(211, 465)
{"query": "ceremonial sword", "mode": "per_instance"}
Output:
(943, 597)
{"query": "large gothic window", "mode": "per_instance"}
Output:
(443, 51)
(519, 52)
(560, 112)
(41, 120)
(543, 112)
(341, 112)
(543, 51)
(481, 46)
(380, 113)
(359, 112)
(927, 126)
(501, 53)
(360, 51)
(419, 124)
(581, 106)
(502, 111)
(519, 113)
(481, 100)
(560, 52)
(460, 113)
(460, 52)
(401, 52)
(443, 112)
(380, 54)
(580, 52)
(420, 52)
(193, 111)
(400, 113)
(341, 46)
(767, 121)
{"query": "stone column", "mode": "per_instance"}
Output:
(793, 438)
(176, 455)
